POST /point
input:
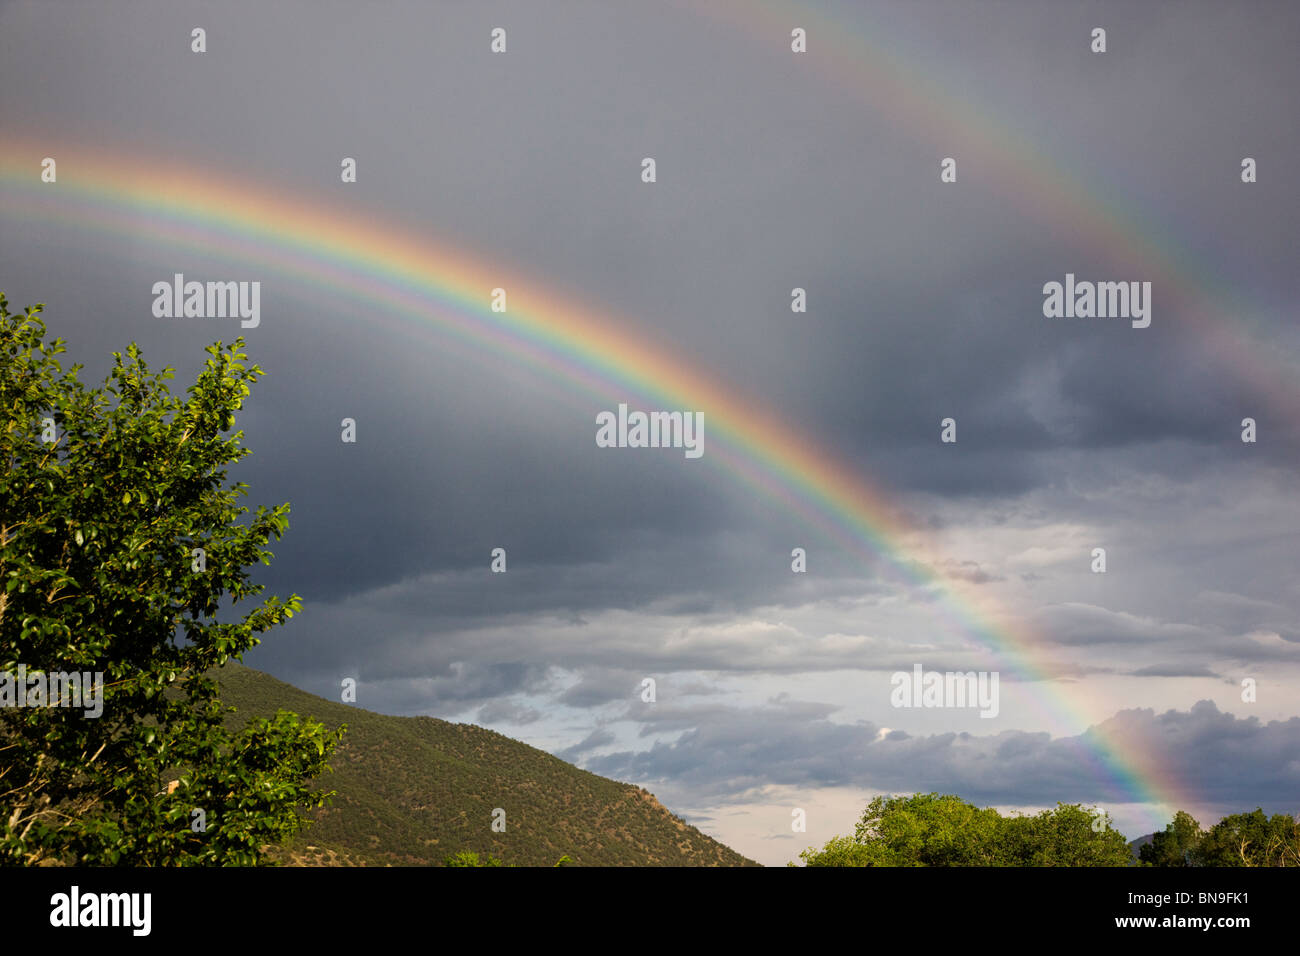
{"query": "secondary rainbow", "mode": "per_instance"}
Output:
(917, 90)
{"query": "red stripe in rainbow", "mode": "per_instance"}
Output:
(444, 288)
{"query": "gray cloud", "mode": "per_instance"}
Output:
(1229, 763)
(924, 302)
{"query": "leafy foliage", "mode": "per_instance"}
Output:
(929, 829)
(470, 858)
(1176, 845)
(1242, 839)
(106, 492)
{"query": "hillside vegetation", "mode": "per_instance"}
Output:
(931, 829)
(413, 791)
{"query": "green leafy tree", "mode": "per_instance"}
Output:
(929, 829)
(846, 851)
(106, 494)
(924, 829)
(1070, 835)
(470, 858)
(1251, 839)
(1177, 845)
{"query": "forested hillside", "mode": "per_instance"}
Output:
(415, 790)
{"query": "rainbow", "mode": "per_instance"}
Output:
(446, 291)
(860, 58)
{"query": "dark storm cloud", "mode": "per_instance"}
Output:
(461, 686)
(1173, 670)
(600, 685)
(1241, 613)
(1230, 762)
(597, 738)
(503, 711)
(1086, 624)
(892, 342)
(924, 302)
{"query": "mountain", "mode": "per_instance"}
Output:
(412, 791)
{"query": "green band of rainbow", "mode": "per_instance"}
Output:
(396, 273)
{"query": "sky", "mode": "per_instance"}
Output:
(774, 170)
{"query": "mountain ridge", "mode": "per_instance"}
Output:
(412, 791)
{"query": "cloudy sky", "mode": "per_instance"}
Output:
(774, 170)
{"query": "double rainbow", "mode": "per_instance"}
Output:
(388, 269)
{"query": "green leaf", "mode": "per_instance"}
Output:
(133, 614)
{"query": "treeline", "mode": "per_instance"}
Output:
(1243, 839)
(930, 829)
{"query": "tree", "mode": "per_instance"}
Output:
(1251, 839)
(929, 829)
(123, 554)
(924, 829)
(846, 851)
(1177, 845)
(471, 858)
(1070, 835)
